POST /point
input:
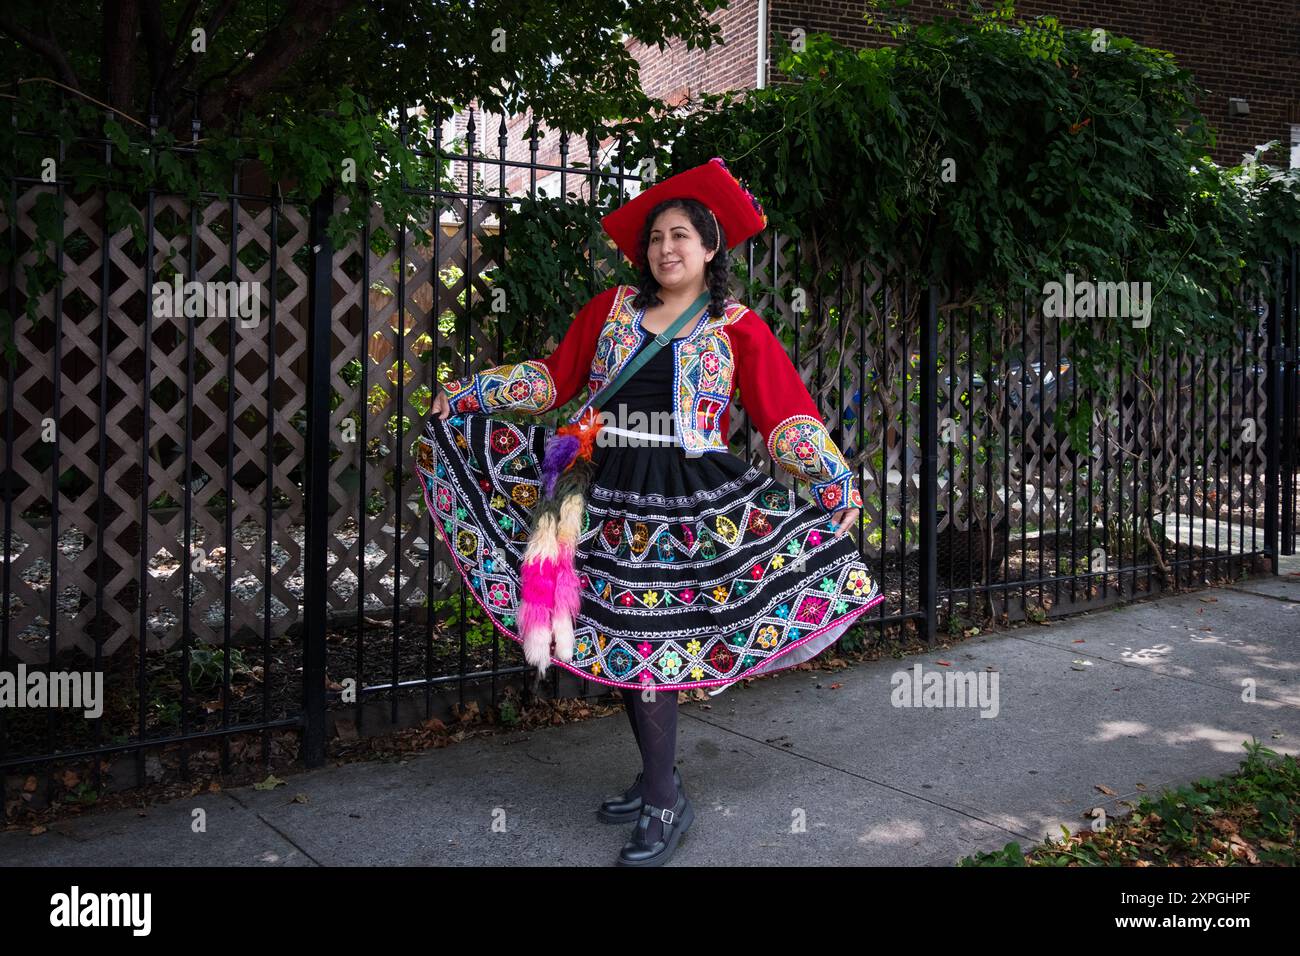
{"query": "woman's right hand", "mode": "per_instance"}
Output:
(441, 406)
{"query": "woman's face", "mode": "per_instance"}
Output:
(676, 253)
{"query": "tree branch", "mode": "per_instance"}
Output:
(45, 46)
(176, 78)
(303, 25)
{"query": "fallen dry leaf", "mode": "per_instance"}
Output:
(1105, 789)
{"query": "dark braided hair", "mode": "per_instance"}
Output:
(717, 271)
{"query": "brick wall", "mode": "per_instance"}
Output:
(1236, 48)
(674, 74)
(731, 65)
(1239, 48)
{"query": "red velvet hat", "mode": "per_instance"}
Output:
(735, 207)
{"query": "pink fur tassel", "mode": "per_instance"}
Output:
(568, 587)
(538, 576)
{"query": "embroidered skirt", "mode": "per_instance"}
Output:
(695, 572)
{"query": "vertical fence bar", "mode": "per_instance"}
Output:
(146, 356)
(57, 412)
(1072, 358)
(227, 583)
(469, 333)
(101, 522)
(187, 560)
(1218, 462)
(433, 585)
(399, 416)
(1149, 457)
(968, 429)
(11, 377)
(1162, 350)
(315, 479)
(268, 533)
(1025, 419)
(1057, 328)
(905, 342)
(1178, 466)
(1289, 335)
(862, 414)
(1272, 444)
(1252, 355)
(929, 413)
(1004, 376)
(1205, 464)
(359, 663)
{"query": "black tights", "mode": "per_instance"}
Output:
(654, 725)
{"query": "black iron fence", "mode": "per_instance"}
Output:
(219, 516)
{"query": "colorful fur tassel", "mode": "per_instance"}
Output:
(538, 590)
(559, 455)
(551, 590)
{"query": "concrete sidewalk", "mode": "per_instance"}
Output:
(789, 770)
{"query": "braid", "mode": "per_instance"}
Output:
(718, 277)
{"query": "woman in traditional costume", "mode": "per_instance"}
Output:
(652, 559)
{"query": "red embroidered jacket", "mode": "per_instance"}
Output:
(736, 348)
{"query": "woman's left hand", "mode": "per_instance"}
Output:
(848, 518)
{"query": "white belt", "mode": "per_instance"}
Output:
(643, 436)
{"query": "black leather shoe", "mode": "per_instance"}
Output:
(627, 808)
(638, 851)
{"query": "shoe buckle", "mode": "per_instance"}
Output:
(666, 816)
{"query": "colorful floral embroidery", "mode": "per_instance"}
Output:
(801, 445)
(812, 610)
(524, 495)
(670, 663)
(727, 529)
(505, 440)
(640, 538)
(702, 380)
(525, 387)
(619, 662)
(858, 583)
